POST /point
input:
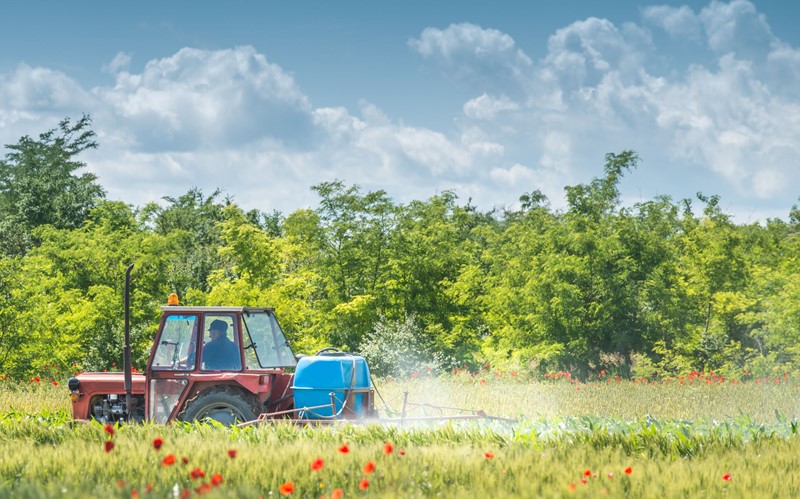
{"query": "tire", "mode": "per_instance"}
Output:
(225, 405)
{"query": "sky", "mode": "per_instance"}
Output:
(487, 99)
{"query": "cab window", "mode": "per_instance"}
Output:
(177, 344)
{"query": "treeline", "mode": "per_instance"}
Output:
(647, 290)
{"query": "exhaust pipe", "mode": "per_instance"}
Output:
(126, 356)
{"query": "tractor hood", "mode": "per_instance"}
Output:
(91, 383)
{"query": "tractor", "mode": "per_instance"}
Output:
(227, 364)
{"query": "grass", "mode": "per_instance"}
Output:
(677, 440)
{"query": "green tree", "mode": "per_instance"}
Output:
(191, 222)
(39, 184)
(353, 235)
(81, 272)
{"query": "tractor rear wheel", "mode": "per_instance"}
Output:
(224, 405)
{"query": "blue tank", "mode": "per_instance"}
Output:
(343, 374)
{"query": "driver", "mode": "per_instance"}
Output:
(220, 353)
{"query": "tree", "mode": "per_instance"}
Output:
(354, 235)
(39, 184)
(191, 221)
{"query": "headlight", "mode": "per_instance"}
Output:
(74, 385)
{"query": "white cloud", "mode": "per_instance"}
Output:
(428, 149)
(200, 99)
(730, 122)
(42, 90)
(736, 27)
(337, 122)
(768, 182)
(583, 52)
(120, 62)
(231, 119)
(486, 107)
(595, 96)
(680, 22)
(35, 99)
(468, 41)
(513, 176)
(486, 58)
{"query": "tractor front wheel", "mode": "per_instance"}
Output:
(224, 405)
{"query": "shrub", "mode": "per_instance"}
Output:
(400, 349)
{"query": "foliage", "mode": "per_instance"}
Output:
(400, 349)
(657, 288)
(39, 185)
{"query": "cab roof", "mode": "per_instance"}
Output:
(189, 309)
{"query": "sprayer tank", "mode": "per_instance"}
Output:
(344, 375)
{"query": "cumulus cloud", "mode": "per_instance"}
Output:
(593, 92)
(486, 107)
(679, 22)
(36, 90)
(485, 58)
(120, 62)
(200, 99)
(737, 27)
(581, 54)
(232, 119)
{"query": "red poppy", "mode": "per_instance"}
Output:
(55, 383)
(587, 473)
(109, 429)
(572, 487)
(388, 448)
(120, 483)
(337, 494)
(610, 475)
(216, 479)
(109, 445)
(364, 484)
(583, 480)
(148, 488)
(169, 460)
(402, 452)
(37, 379)
(157, 443)
(206, 487)
(726, 477)
(628, 470)
(185, 460)
(197, 473)
(368, 468)
(488, 455)
(134, 494)
(286, 488)
(316, 465)
(231, 453)
(344, 449)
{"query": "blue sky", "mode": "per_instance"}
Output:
(487, 99)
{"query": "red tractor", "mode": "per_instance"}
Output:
(229, 364)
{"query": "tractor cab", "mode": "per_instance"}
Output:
(223, 363)
(227, 349)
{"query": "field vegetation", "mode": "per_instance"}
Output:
(690, 437)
